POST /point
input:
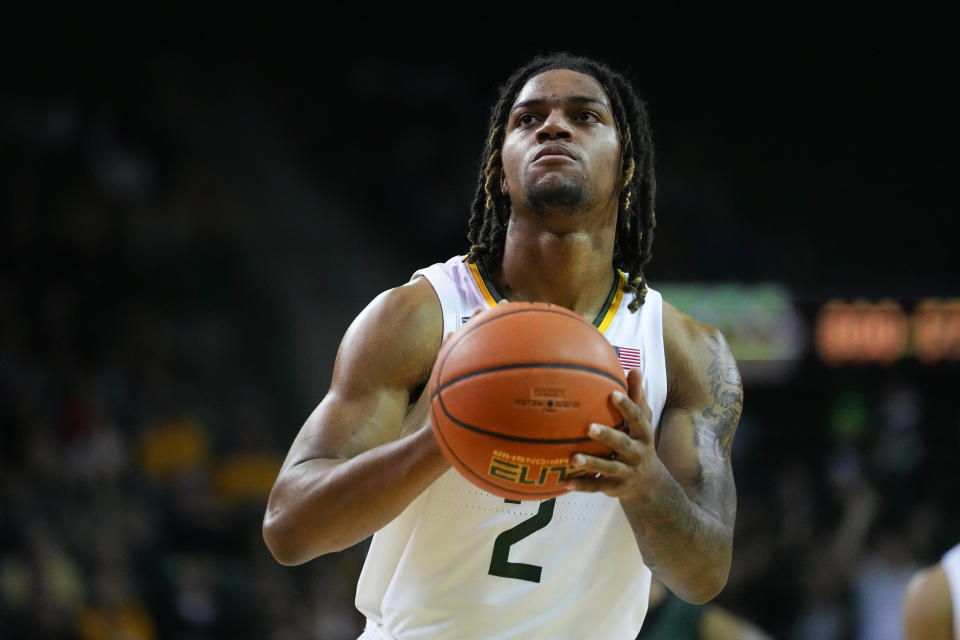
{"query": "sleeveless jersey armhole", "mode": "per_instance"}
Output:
(656, 358)
(446, 292)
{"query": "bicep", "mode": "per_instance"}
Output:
(386, 354)
(343, 427)
(700, 420)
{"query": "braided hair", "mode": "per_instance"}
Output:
(490, 211)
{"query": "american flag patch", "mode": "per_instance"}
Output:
(629, 357)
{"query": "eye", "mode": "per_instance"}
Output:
(525, 119)
(587, 116)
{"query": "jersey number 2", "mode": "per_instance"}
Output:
(500, 564)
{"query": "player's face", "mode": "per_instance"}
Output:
(561, 151)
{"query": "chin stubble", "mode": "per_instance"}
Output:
(568, 197)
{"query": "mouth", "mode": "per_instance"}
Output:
(554, 151)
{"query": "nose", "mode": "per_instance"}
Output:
(555, 126)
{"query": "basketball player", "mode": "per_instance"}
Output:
(563, 213)
(931, 606)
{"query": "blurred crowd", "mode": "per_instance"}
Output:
(141, 387)
(149, 387)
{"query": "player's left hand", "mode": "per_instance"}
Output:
(628, 474)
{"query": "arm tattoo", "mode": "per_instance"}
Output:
(714, 430)
(686, 538)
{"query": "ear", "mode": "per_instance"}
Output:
(503, 182)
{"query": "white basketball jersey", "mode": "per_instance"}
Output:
(951, 566)
(460, 562)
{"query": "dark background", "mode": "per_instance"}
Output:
(196, 205)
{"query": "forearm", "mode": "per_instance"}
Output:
(687, 546)
(322, 505)
(690, 486)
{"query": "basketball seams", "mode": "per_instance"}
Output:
(532, 495)
(471, 327)
(531, 365)
(503, 436)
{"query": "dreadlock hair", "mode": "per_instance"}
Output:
(490, 211)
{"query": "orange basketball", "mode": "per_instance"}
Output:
(513, 392)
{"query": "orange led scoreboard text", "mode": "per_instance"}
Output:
(884, 331)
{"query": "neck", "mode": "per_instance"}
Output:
(561, 263)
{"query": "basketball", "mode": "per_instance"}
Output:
(513, 392)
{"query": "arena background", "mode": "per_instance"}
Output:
(194, 207)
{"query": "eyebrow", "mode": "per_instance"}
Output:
(538, 102)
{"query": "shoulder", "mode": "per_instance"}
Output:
(413, 304)
(399, 333)
(681, 332)
(927, 606)
(697, 356)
